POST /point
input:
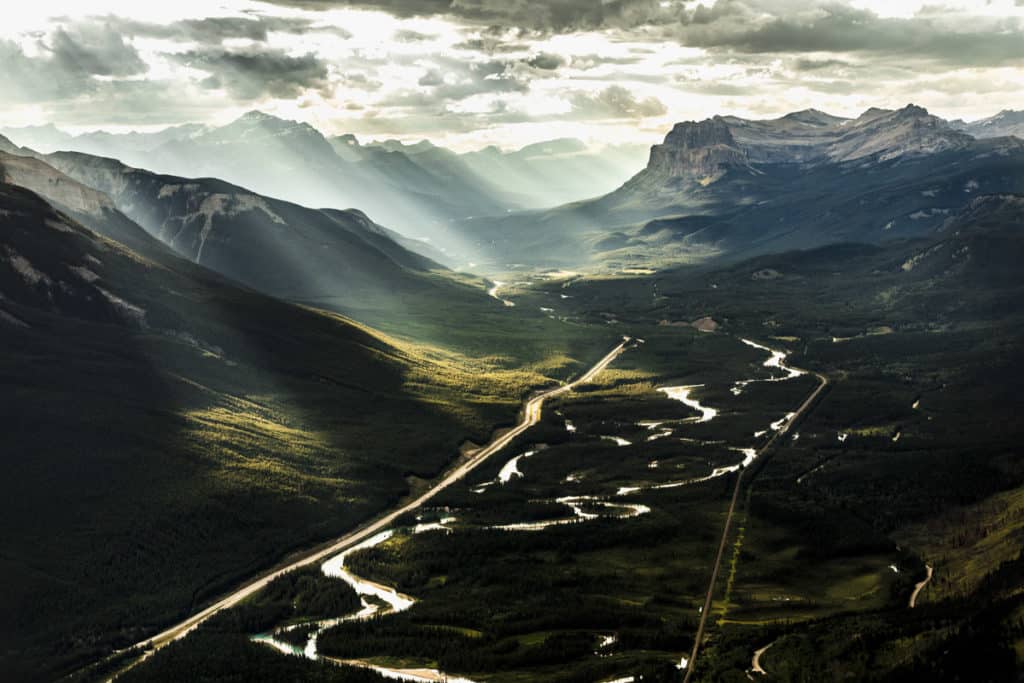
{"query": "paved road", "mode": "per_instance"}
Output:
(755, 663)
(920, 586)
(808, 402)
(530, 416)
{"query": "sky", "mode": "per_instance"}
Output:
(468, 73)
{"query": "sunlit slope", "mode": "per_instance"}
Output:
(278, 247)
(169, 432)
(338, 260)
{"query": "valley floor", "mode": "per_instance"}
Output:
(582, 549)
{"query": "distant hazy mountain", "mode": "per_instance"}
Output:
(132, 148)
(277, 247)
(543, 174)
(1007, 122)
(427, 170)
(336, 258)
(416, 189)
(539, 175)
(294, 161)
(727, 187)
(557, 171)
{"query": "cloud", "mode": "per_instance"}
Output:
(360, 80)
(431, 78)
(94, 50)
(804, 64)
(615, 102)
(538, 15)
(749, 26)
(546, 61)
(499, 66)
(66, 63)
(491, 45)
(409, 36)
(215, 30)
(764, 27)
(593, 61)
(448, 80)
(250, 74)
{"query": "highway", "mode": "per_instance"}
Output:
(919, 586)
(784, 429)
(531, 414)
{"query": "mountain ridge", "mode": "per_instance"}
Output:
(727, 187)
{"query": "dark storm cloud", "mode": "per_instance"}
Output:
(546, 61)
(750, 26)
(215, 30)
(753, 27)
(543, 15)
(250, 74)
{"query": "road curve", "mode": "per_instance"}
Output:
(531, 415)
(784, 429)
(755, 663)
(919, 586)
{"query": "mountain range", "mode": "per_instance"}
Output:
(192, 390)
(417, 189)
(728, 187)
(1006, 122)
(338, 258)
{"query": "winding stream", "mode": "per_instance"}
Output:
(579, 504)
(775, 360)
(383, 600)
(683, 394)
(380, 600)
(493, 292)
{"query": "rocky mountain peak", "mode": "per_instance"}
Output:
(1005, 123)
(699, 134)
(700, 151)
(255, 116)
(890, 134)
(813, 117)
(873, 113)
(912, 111)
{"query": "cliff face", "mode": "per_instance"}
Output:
(699, 151)
(55, 186)
(703, 150)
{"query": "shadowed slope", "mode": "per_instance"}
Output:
(170, 432)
